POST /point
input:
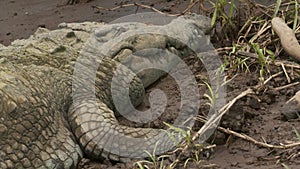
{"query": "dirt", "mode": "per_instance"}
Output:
(20, 19)
(261, 116)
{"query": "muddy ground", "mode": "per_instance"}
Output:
(262, 120)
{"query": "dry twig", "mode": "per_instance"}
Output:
(134, 4)
(287, 86)
(262, 144)
(148, 7)
(213, 121)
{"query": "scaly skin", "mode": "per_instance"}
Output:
(42, 125)
(35, 92)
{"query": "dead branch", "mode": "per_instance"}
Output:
(137, 5)
(287, 37)
(287, 86)
(252, 140)
(213, 121)
(147, 7)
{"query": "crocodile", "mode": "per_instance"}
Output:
(44, 125)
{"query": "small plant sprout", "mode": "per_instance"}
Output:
(154, 162)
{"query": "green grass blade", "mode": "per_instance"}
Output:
(214, 17)
(297, 133)
(278, 4)
(139, 165)
(296, 15)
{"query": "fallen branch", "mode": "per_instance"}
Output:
(187, 10)
(147, 7)
(272, 77)
(287, 86)
(252, 140)
(134, 4)
(216, 117)
(287, 37)
(212, 121)
(296, 97)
